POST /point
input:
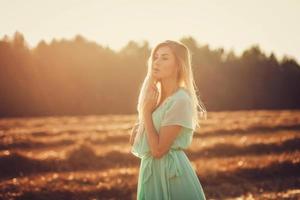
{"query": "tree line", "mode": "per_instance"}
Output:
(81, 77)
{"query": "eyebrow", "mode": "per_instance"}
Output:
(162, 54)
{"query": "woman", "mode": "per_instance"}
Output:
(167, 117)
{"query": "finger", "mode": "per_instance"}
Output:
(154, 95)
(152, 90)
(153, 87)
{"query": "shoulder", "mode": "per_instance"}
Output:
(182, 96)
(180, 99)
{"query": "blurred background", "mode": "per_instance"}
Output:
(70, 74)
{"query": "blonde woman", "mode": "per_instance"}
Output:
(167, 118)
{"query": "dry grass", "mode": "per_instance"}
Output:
(237, 155)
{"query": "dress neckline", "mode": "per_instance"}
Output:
(164, 101)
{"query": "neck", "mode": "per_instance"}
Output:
(169, 86)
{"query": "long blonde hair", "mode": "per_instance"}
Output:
(185, 79)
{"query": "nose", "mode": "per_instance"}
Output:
(156, 63)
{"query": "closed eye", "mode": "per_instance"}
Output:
(162, 58)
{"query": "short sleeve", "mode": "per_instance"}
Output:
(179, 112)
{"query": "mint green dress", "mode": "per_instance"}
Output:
(172, 177)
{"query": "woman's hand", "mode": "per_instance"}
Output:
(151, 99)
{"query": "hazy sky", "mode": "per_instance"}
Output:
(231, 24)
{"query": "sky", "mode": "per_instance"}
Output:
(235, 25)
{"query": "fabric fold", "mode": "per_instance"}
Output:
(173, 167)
(147, 167)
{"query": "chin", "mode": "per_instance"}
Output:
(155, 76)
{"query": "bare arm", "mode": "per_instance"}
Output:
(160, 143)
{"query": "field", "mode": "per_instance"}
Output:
(237, 155)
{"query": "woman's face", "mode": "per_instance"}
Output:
(164, 64)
